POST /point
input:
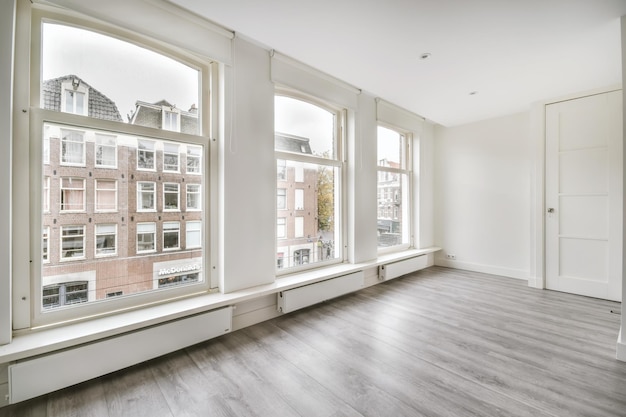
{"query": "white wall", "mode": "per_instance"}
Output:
(482, 198)
(7, 27)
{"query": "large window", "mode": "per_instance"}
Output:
(115, 155)
(309, 166)
(394, 175)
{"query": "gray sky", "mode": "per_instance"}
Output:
(120, 70)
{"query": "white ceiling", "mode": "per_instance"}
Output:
(511, 52)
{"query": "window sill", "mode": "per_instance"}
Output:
(44, 340)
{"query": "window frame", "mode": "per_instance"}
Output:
(153, 231)
(100, 136)
(140, 197)
(97, 182)
(338, 163)
(405, 171)
(63, 142)
(27, 90)
(95, 241)
(62, 198)
(166, 193)
(84, 239)
(171, 230)
(198, 195)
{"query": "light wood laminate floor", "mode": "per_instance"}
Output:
(439, 342)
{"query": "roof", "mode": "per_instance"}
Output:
(99, 106)
(151, 115)
(291, 143)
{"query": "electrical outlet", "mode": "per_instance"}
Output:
(450, 256)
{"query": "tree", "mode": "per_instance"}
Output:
(325, 199)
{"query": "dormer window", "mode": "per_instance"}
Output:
(171, 119)
(75, 97)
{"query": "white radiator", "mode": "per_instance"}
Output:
(291, 300)
(33, 377)
(397, 269)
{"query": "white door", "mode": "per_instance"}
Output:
(584, 196)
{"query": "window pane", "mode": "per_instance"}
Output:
(391, 149)
(107, 78)
(113, 221)
(314, 231)
(302, 127)
(393, 185)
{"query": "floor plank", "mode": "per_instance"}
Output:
(439, 342)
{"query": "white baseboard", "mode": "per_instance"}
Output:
(487, 269)
(621, 348)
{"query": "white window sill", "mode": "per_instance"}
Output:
(39, 341)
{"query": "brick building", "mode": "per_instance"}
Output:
(297, 224)
(121, 214)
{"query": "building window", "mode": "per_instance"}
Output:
(171, 200)
(394, 176)
(170, 157)
(59, 295)
(193, 197)
(299, 197)
(171, 235)
(106, 195)
(281, 167)
(106, 239)
(194, 234)
(281, 227)
(46, 194)
(307, 145)
(301, 256)
(146, 196)
(146, 159)
(45, 244)
(100, 169)
(72, 147)
(281, 199)
(72, 242)
(299, 226)
(178, 280)
(106, 151)
(72, 194)
(74, 96)
(146, 237)
(171, 120)
(194, 160)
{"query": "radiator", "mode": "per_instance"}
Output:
(397, 269)
(291, 300)
(33, 377)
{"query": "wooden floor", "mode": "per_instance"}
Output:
(440, 342)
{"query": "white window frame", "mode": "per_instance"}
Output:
(194, 153)
(167, 193)
(97, 192)
(153, 231)
(169, 114)
(74, 86)
(338, 163)
(84, 248)
(167, 151)
(198, 197)
(97, 234)
(24, 315)
(83, 147)
(99, 139)
(62, 204)
(193, 226)
(405, 174)
(140, 193)
(281, 227)
(146, 147)
(298, 226)
(46, 246)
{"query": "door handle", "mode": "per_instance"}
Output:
(550, 210)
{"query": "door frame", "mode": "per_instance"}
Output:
(537, 278)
